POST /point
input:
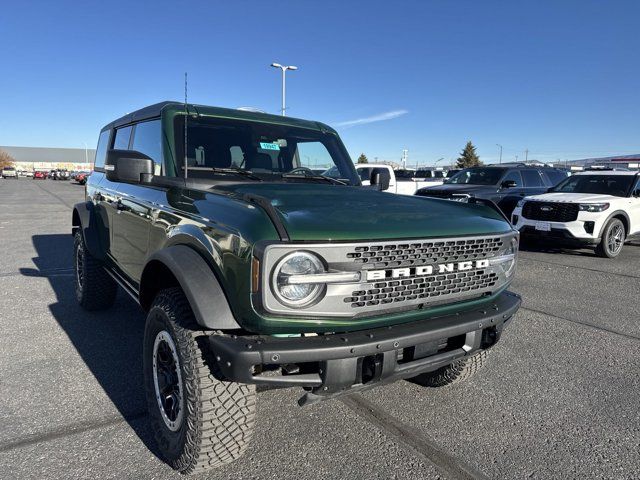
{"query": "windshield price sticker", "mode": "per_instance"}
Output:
(269, 146)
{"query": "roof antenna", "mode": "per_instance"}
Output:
(186, 114)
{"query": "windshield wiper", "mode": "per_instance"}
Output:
(231, 170)
(335, 181)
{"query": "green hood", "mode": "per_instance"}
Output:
(334, 212)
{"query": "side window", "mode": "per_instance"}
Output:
(438, 174)
(147, 139)
(515, 176)
(101, 149)
(314, 155)
(532, 178)
(554, 177)
(121, 141)
(364, 173)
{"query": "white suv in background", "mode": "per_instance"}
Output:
(598, 208)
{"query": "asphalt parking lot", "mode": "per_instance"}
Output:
(559, 398)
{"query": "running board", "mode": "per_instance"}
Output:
(126, 286)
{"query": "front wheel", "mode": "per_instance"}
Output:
(199, 421)
(456, 372)
(612, 239)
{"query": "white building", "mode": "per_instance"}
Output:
(45, 158)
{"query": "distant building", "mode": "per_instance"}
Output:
(46, 158)
(629, 161)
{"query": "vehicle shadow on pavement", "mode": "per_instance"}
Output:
(109, 342)
(549, 247)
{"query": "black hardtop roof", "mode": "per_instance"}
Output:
(153, 111)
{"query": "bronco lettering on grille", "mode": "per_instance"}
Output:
(425, 270)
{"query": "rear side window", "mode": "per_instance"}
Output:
(121, 141)
(147, 139)
(365, 174)
(101, 149)
(515, 176)
(554, 177)
(532, 178)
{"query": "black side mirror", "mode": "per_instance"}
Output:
(128, 166)
(509, 184)
(380, 178)
(636, 193)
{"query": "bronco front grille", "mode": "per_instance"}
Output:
(395, 291)
(424, 253)
(550, 211)
(398, 275)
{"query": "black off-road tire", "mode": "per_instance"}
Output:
(95, 289)
(608, 246)
(219, 416)
(458, 371)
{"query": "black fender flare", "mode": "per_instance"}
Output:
(84, 219)
(196, 279)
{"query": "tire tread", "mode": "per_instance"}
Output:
(457, 372)
(99, 290)
(220, 425)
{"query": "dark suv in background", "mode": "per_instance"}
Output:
(504, 184)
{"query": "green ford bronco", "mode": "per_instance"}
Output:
(254, 269)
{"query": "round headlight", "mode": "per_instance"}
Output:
(297, 295)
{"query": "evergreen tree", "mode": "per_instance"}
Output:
(363, 158)
(468, 157)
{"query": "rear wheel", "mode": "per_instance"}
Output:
(456, 372)
(612, 239)
(95, 289)
(199, 420)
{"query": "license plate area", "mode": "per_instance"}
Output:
(543, 226)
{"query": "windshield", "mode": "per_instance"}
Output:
(477, 176)
(263, 151)
(616, 185)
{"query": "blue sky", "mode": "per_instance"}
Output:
(558, 78)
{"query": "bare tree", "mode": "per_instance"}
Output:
(6, 160)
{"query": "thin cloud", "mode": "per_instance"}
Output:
(381, 117)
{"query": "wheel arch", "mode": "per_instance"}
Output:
(622, 216)
(84, 219)
(182, 266)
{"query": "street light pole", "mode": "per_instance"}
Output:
(284, 69)
(500, 151)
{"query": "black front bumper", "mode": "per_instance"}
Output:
(559, 235)
(329, 365)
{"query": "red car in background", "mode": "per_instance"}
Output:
(40, 175)
(81, 178)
